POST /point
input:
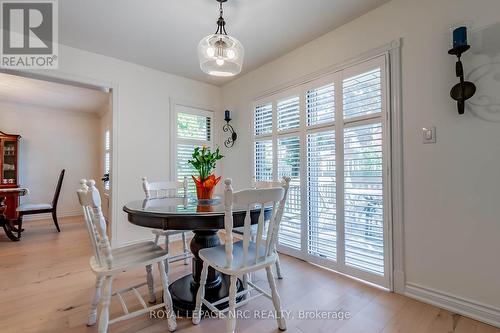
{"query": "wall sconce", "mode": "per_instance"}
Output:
(228, 128)
(463, 90)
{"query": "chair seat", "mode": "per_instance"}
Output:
(30, 207)
(130, 256)
(216, 257)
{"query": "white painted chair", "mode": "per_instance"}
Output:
(239, 232)
(168, 189)
(107, 263)
(244, 257)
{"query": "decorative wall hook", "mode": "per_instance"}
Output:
(228, 128)
(463, 90)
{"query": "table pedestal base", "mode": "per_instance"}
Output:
(184, 290)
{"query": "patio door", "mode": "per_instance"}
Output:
(330, 136)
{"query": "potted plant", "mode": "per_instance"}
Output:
(203, 160)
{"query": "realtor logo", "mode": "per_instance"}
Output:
(29, 34)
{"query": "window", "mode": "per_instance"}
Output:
(193, 128)
(329, 137)
(107, 158)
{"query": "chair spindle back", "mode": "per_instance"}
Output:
(90, 200)
(250, 197)
(163, 189)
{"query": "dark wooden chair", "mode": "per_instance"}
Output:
(43, 208)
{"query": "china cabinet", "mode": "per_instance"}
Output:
(9, 175)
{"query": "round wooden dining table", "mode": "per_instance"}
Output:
(205, 220)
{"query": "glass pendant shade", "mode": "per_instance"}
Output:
(220, 55)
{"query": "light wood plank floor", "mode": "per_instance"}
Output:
(46, 286)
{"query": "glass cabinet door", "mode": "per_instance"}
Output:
(9, 165)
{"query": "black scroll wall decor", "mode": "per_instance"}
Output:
(227, 128)
(463, 90)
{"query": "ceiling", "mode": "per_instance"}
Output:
(164, 34)
(50, 95)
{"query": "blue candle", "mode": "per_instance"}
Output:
(460, 36)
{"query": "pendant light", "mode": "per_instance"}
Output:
(219, 53)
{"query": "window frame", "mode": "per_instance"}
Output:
(338, 124)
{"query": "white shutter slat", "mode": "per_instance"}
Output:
(322, 238)
(288, 113)
(362, 94)
(289, 165)
(263, 119)
(363, 198)
(320, 104)
(263, 151)
(184, 153)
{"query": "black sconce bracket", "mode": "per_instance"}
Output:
(463, 90)
(228, 128)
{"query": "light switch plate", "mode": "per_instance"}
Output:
(429, 134)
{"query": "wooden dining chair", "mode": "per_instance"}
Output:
(42, 208)
(107, 263)
(246, 256)
(165, 189)
(239, 232)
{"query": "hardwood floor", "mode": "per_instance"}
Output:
(46, 286)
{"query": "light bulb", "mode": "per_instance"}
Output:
(219, 62)
(210, 52)
(231, 54)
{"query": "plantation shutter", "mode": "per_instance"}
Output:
(288, 113)
(363, 198)
(362, 94)
(263, 119)
(322, 238)
(193, 129)
(330, 136)
(321, 105)
(263, 160)
(289, 165)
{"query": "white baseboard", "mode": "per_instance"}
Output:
(469, 308)
(48, 216)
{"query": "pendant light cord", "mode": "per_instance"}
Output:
(221, 24)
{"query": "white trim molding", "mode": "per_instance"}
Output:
(462, 306)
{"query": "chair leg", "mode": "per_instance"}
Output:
(231, 314)
(54, 217)
(157, 238)
(278, 267)
(200, 294)
(151, 284)
(276, 299)
(167, 248)
(171, 322)
(19, 226)
(185, 247)
(95, 300)
(106, 300)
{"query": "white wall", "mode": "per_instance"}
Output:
(53, 140)
(451, 188)
(141, 123)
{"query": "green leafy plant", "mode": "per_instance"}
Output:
(203, 160)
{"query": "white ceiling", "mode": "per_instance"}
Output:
(50, 95)
(164, 34)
